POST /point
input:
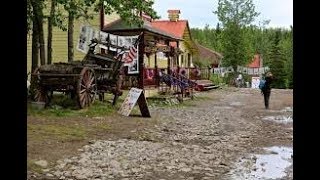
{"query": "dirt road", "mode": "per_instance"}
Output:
(222, 136)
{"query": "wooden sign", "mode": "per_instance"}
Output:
(154, 49)
(135, 95)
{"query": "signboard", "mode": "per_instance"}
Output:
(134, 96)
(86, 34)
(154, 49)
(255, 82)
(131, 55)
(252, 71)
(223, 70)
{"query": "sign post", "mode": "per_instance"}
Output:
(135, 95)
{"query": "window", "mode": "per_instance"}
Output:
(189, 60)
(161, 55)
(182, 59)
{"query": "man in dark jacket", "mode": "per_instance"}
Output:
(267, 89)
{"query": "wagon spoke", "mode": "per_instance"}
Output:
(87, 99)
(87, 87)
(83, 102)
(82, 96)
(91, 81)
(82, 91)
(85, 75)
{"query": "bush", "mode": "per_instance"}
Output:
(216, 79)
(229, 78)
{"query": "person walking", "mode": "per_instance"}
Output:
(239, 81)
(266, 90)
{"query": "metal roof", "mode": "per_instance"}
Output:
(121, 26)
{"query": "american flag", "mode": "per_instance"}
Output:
(131, 55)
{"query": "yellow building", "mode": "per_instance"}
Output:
(60, 38)
(180, 29)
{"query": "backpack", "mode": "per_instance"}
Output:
(262, 84)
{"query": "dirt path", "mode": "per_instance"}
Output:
(203, 141)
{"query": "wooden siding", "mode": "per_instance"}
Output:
(60, 39)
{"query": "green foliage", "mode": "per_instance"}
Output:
(234, 47)
(129, 10)
(277, 66)
(238, 41)
(29, 16)
(235, 15)
(201, 63)
(60, 132)
(64, 106)
(208, 37)
(261, 40)
(239, 12)
(216, 79)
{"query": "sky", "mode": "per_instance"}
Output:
(200, 12)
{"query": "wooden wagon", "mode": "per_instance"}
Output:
(95, 75)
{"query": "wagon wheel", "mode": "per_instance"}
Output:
(86, 87)
(39, 93)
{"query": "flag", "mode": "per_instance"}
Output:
(131, 55)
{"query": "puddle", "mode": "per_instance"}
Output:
(287, 109)
(235, 104)
(272, 165)
(279, 119)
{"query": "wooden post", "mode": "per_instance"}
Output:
(156, 69)
(176, 57)
(140, 59)
(169, 60)
(102, 51)
(101, 17)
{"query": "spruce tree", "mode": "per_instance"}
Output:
(277, 63)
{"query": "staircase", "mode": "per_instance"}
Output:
(205, 85)
(177, 85)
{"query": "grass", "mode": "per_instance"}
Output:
(64, 106)
(33, 167)
(57, 131)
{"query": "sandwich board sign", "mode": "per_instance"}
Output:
(255, 81)
(134, 96)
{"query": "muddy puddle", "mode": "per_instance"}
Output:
(279, 119)
(274, 163)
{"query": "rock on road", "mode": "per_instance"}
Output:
(202, 141)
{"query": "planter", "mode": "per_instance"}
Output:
(38, 105)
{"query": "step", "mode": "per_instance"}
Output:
(211, 87)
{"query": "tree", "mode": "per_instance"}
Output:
(29, 16)
(234, 15)
(127, 10)
(35, 46)
(35, 15)
(277, 66)
(50, 24)
(239, 12)
(286, 46)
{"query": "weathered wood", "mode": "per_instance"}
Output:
(95, 74)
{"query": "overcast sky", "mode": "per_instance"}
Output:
(199, 12)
